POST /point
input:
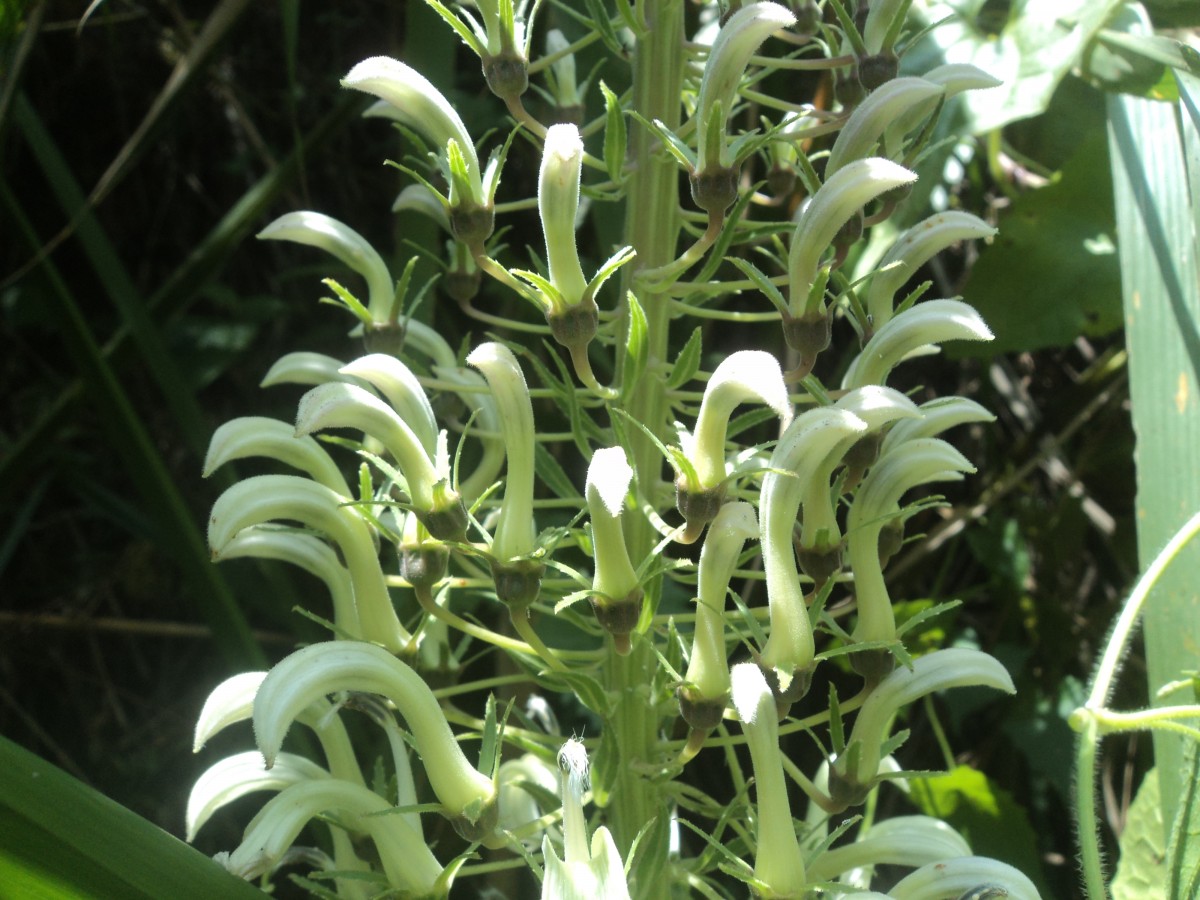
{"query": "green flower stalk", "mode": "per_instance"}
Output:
(788, 657)
(778, 862)
(266, 498)
(855, 771)
(338, 405)
(586, 871)
(232, 701)
(910, 841)
(416, 103)
(705, 692)
(616, 593)
(347, 245)
(407, 861)
(930, 322)
(308, 553)
(714, 180)
(806, 325)
(820, 546)
(517, 576)
(468, 796)
(912, 250)
(742, 377)
(250, 436)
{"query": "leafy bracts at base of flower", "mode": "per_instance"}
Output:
(586, 871)
(500, 41)
(468, 796)
(339, 405)
(232, 701)
(705, 691)
(788, 655)
(913, 249)
(407, 861)
(266, 498)
(347, 245)
(616, 593)
(714, 181)
(742, 377)
(929, 322)
(778, 862)
(855, 771)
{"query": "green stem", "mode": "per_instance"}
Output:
(652, 227)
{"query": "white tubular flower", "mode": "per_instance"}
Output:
(407, 861)
(561, 74)
(402, 390)
(250, 436)
(735, 44)
(937, 671)
(304, 367)
(478, 398)
(518, 806)
(930, 322)
(937, 416)
(419, 105)
(841, 196)
(703, 697)
(310, 554)
(820, 536)
(337, 405)
(871, 118)
(586, 871)
(558, 205)
(778, 862)
(243, 773)
(420, 199)
(232, 701)
(266, 498)
(959, 877)
(912, 250)
(469, 797)
(956, 78)
(619, 601)
(911, 841)
(811, 437)
(319, 230)
(515, 530)
(742, 377)
(906, 466)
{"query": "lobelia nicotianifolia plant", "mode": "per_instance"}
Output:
(497, 488)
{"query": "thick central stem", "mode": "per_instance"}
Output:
(652, 227)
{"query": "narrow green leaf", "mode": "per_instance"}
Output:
(553, 476)
(62, 839)
(615, 138)
(1143, 844)
(603, 26)
(687, 363)
(1183, 851)
(637, 350)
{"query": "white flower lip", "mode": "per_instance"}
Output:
(610, 475)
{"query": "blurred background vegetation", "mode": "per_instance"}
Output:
(142, 149)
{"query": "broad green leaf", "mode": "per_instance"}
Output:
(1183, 852)
(1143, 844)
(1051, 274)
(992, 822)
(62, 839)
